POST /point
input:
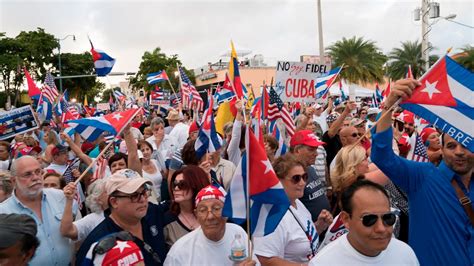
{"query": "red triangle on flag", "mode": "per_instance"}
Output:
(33, 90)
(119, 119)
(261, 174)
(434, 89)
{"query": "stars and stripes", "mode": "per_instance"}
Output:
(276, 109)
(191, 96)
(419, 153)
(49, 89)
(100, 167)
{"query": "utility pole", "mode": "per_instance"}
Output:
(320, 33)
(424, 33)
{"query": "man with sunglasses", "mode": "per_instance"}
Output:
(211, 243)
(129, 210)
(441, 232)
(366, 214)
(45, 206)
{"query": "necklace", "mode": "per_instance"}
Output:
(187, 222)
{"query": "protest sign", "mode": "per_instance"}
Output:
(296, 81)
(103, 106)
(17, 121)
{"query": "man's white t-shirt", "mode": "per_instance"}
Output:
(181, 133)
(289, 241)
(321, 120)
(341, 252)
(195, 249)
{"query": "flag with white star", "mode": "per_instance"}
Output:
(445, 99)
(91, 128)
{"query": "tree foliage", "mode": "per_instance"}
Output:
(362, 59)
(156, 61)
(466, 58)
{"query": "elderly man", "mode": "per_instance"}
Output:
(210, 244)
(304, 145)
(45, 206)
(440, 197)
(164, 146)
(129, 210)
(366, 214)
(18, 242)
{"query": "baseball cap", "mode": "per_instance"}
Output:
(14, 226)
(373, 111)
(28, 150)
(332, 117)
(86, 147)
(115, 249)
(426, 132)
(59, 149)
(305, 137)
(210, 192)
(357, 121)
(126, 181)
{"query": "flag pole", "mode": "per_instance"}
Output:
(247, 187)
(104, 150)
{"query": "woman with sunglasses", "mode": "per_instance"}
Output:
(184, 186)
(295, 239)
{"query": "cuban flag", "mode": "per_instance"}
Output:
(282, 147)
(156, 77)
(157, 94)
(268, 200)
(103, 63)
(119, 95)
(44, 109)
(207, 140)
(445, 99)
(62, 105)
(325, 82)
(226, 92)
(92, 127)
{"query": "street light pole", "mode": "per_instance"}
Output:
(424, 34)
(320, 33)
(59, 56)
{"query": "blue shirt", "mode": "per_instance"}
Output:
(440, 231)
(152, 229)
(54, 249)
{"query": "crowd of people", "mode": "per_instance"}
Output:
(358, 195)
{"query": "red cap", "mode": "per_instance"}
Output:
(123, 253)
(28, 150)
(193, 127)
(426, 132)
(210, 192)
(87, 147)
(305, 137)
(404, 143)
(407, 117)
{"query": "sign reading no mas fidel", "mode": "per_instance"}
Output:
(296, 81)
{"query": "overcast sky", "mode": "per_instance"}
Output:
(199, 31)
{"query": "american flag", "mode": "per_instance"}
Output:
(276, 109)
(101, 165)
(190, 94)
(49, 88)
(419, 153)
(74, 164)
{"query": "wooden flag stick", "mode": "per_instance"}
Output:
(247, 180)
(104, 150)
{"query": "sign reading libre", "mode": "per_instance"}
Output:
(296, 81)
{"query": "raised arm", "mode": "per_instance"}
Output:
(75, 148)
(350, 105)
(67, 228)
(132, 148)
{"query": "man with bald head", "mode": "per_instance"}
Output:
(348, 135)
(440, 197)
(45, 206)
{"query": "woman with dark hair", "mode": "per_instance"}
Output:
(180, 220)
(150, 167)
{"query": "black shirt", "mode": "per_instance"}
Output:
(152, 227)
(333, 145)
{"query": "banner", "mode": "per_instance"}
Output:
(103, 106)
(295, 81)
(159, 101)
(17, 121)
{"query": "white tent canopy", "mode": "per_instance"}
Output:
(359, 90)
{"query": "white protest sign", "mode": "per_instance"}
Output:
(17, 121)
(296, 81)
(103, 106)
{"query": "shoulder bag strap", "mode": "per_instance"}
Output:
(464, 200)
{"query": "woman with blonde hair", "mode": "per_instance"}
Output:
(51, 140)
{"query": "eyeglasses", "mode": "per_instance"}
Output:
(137, 196)
(181, 185)
(37, 172)
(388, 219)
(363, 113)
(216, 210)
(297, 178)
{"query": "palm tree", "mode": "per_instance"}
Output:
(408, 55)
(363, 60)
(466, 58)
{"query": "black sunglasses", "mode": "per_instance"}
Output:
(297, 178)
(355, 135)
(388, 219)
(181, 185)
(137, 196)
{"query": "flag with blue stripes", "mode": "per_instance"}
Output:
(324, 83)
(156, 77)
